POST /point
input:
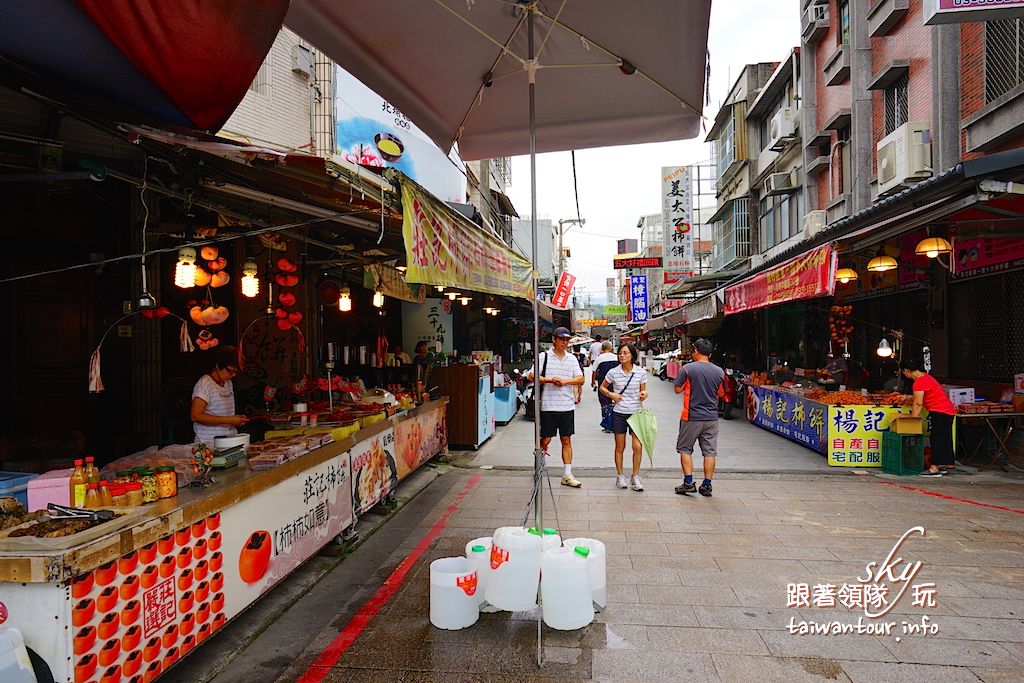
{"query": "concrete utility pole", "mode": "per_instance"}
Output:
(561, 231)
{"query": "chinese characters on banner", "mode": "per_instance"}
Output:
(803, 277)
(676, 221)
(977, 257)
(636, 262)
(431, 323)
(560, 299)
(855, 434)
(794, 417)
(638, 298)
(443, 248)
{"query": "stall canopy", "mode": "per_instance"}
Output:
(184, 63)
(459, 70)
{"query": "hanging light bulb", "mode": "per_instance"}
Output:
(400, 269)
(378, 297)
(250, 283)
(933, 246)
(495, 311)
(465, 300)
(345, 299)
(884, 350)
(488, 309)
(452, 296)
(845, 275)
(882, 263)
(185, 271)
(439, 288)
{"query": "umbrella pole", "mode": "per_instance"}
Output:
(538, 454)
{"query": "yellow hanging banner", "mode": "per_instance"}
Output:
(444, 248)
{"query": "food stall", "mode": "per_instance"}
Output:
(469, 387)
(844, 426)
(133, 595)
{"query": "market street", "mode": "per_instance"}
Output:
(697, 586)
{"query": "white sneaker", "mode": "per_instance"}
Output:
(636, 483)
(620, 481)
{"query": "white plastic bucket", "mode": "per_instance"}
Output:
(454, 602)
(551, 539)
(478, 552)
(515, 569)
(15, 666)
(565, 589)
(596, 566)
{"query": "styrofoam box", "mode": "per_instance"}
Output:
(16, 484)
(958, 395)
(51, 487)
(1018, 383)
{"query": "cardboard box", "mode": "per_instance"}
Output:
(904, 424)
(1018, 403)
(1018, 383)
(959, 395)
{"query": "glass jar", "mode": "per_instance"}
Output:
(150, 492)
(166, 481)
(119, 495)
(133, 492)
(122, 477)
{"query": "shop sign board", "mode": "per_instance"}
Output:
(911, 278)
(636, 262)
(443, 248)
(430, 322)
(987, 256)
(560, 299)
(638, 298)
(374, 471)
(594, 322)
(418, 439)
(803, 277)
(962, 11)
(615, 311)
(392, 282)
(677, 218)
(855, 434)
(370, 131)
(794, 417)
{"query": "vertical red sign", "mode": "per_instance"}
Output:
(560, 299)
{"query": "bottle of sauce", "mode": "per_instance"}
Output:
(78, 485)
(92, 473)
(92, 498)
(106, 497)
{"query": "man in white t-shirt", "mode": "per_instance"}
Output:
(595, 351)
(560, 375)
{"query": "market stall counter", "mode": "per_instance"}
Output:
(143, 589)
(846, 427)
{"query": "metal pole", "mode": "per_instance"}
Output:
(538, 454)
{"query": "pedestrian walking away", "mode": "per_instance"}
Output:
(605, 362)
(561, 377)
(928, 394)
(626, 387)
(700, 383)
(595, 351)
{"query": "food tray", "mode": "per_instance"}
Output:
(126, 516)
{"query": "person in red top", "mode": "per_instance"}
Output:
(928, 394)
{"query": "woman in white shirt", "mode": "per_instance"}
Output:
(626, 387)
(213, 399)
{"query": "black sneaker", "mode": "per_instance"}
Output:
(684, 488)
(705, 490)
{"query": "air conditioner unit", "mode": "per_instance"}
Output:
(815, 22)
(779, 183)
(904, 157)
(781, 128)
(302, 60)
(814, 221)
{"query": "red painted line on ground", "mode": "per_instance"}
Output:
(953, 498)
(318, 670)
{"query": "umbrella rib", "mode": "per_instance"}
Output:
(640, 71)
(504, 48)
(551, 28)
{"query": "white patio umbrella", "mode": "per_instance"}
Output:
(510, 77)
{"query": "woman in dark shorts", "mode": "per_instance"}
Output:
(626, 386)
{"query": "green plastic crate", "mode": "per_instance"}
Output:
(902, 454)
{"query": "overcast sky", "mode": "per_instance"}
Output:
(617, 185)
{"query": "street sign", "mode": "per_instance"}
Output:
(638, 298)
(637, 262)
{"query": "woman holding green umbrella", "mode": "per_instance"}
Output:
(626, 387)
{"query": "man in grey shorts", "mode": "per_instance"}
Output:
(700, 383)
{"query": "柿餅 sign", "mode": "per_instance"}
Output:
(963, 11)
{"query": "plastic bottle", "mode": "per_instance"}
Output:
(106, 496)
(78, 485)
(92, 473)
(92, 498)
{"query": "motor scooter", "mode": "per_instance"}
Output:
(728, 397)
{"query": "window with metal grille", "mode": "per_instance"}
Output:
(261, 83)
(896, 113)
(1004, 57)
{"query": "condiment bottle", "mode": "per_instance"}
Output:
(166, 481)
(78, 485)
(150, 494)
(118, 498)
(122, 477)
(92, 473)
(92, 497)
(133, 491)
(106, 497)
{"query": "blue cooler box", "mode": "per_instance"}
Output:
(16, 484)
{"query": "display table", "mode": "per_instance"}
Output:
(134, 601)
(849, 436)
(1002, 450)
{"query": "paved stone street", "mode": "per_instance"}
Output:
(697, 586)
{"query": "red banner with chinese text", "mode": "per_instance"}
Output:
(803, 277)
(560, 299)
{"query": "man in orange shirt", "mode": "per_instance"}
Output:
(700, 383)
